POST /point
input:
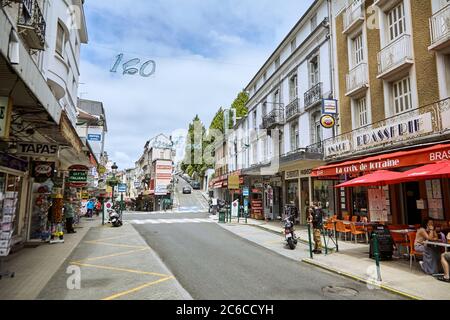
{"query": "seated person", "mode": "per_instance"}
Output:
(445, 260)
(427, 232)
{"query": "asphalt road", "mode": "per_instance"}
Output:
(213, 264)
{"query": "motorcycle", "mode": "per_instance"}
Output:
(289, 229)
(115, 218)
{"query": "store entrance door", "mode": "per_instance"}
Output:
(277, 205)
(304, 187)
(412, 194)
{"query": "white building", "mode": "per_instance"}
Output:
(280, 141)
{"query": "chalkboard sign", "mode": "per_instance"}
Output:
(385, 242)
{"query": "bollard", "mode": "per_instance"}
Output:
(336, 237)
(376, 253)
(325, 241)
(310, 242)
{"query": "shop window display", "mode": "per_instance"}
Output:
(360, 202)
(42, 202)
(324, 196)
(10, 187)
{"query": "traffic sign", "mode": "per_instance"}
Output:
(122, 188)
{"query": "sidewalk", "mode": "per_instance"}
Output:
(353, 261)
(34, 267)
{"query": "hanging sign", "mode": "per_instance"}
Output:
(327, 121)
(5, 116)
(233, 182)
(78, 176)
(37, 149)
(42, 171)
(95, 137)
(329, 106)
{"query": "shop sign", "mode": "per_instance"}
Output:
(163, 174)
(400, 129)
(37, 149)
(78, 176)
(246, 192)
(233, 182)
(122, 188)
(5, 116)
(95, 137)
(327, 121)
(329, 106)
(85, 195)
(292, 175)
(42, 171)
(306, 172)
(137, 184)
(101, 170)
(259, 185)
(14, 163)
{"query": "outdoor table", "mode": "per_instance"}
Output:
(438, 244)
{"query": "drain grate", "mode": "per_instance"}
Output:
(340, 291)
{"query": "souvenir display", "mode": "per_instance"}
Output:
(41, 205)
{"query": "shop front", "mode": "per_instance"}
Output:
(407, 202)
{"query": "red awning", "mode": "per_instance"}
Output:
(394, 160)
(378, 178)
(437, 170)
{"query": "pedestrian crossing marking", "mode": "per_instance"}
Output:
(169, 221)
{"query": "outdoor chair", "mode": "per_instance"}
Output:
(340, 227)
(356, 233)
(413, 254)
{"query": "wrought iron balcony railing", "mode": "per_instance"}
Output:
(273, 119)
(293, 109)
(32, 24)
(313, 95)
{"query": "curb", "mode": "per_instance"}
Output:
(365, 281)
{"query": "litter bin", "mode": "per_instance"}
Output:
(222, 214)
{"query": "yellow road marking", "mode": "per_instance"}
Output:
(115, 245)
(112, 238)
(121, 269)
(110, 256)
(121, 294)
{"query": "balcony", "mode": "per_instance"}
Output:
(293, 110)
(31, 24)
(427, 124)
(440, 30)
(395, 58)
(353, 16)
(313, 153)
(273, 119)
(313, 96)
(357, 80)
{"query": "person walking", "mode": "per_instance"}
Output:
(69, 214)
(90, 208)
(98, 208)
(316, 220)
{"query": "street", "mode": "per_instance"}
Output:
(188, 256)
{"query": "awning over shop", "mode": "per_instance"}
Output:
(378, 178)
(436, 170)
(394, 160)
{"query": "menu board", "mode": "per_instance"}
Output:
(435, 200)
(377, 205)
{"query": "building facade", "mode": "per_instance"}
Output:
(392, 75)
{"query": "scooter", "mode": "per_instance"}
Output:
(289, 229)
(115, 218)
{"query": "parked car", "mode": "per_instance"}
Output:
(187, 190)
(195, 185)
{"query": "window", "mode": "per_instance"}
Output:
(293, 87)
(294, 137)
(60, 39)
(314, 71)
(255, 153)
(293, 45)
(264, 108)
(397, 22)
(314, 22)
(277, 62)
(317, 128)
(276, 98)
(361, 112)
(402, 95)
(254, 119)
(358, 50)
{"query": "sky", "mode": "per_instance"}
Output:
(205, 53)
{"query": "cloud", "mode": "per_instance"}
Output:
(205, 53)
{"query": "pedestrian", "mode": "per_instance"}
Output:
(316, 219)
(69, 214)
(214, 205)
(98, 208)
(90, 208)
